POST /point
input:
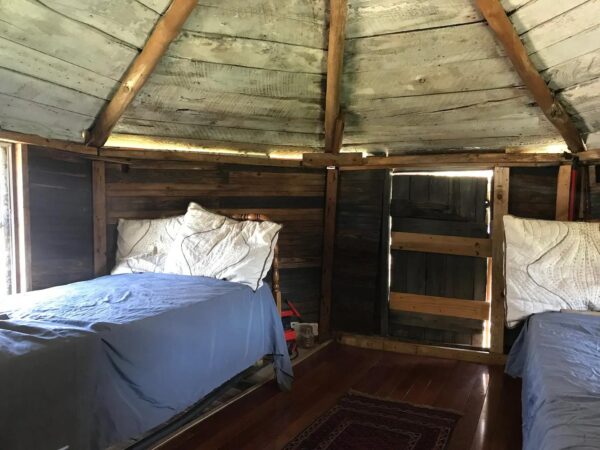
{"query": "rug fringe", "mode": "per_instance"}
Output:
(393, 400)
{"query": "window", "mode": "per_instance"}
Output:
(14, 220)
(6, 222)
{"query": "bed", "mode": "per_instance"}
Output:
(100, 362)
(558, 357)
(551, 267)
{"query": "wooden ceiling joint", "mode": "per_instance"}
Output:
(334, 119)
(506, 34)
(164, 32)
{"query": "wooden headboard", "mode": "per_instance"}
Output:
(275, 282)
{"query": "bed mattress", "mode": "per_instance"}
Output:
(93, 363)
(558, 357)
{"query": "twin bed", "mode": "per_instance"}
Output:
(101, 362)
(553, 266)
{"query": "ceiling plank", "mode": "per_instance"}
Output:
(165, 31)
(499, 22)
(335, 61)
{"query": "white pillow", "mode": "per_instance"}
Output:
(143, 245)
(216, 246)
(550, 266)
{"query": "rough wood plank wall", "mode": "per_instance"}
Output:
(356, 276)
(432, 69)
(293, 197)
(440, 206)
(242, 72)
(60, 199)
(61, 60)
(563, 41)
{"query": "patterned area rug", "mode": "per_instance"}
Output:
(359, 422)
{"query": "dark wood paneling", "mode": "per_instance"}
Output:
(291, 196)
(60, 198)
(445, 206)
(532, 192)
(356, 274)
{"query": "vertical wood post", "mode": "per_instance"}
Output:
(21, 212)
(99, 199)
(384, 264)
(334, 125)
(328, 253)
(499, 210)
(563, 192)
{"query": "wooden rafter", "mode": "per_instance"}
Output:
(22, 138)
(499, 22)
(334, 121)
(165, 31)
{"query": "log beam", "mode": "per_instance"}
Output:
(499, 22)
(165, 31)
(334, 122)
(58, 144)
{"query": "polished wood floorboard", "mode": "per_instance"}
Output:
(267, 418)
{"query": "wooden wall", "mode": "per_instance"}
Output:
(356, 273)
(60, 199)
(441, 206)
(292, 197)
(357, 263)
(532, 192)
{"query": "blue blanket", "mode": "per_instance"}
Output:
(558, 357)
(98, 362)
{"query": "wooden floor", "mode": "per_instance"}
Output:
(268, 418)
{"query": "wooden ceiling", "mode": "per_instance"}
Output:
(417, 75)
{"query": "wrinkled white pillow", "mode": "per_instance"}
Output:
(550, 265)
(216, 246)
(143, 245)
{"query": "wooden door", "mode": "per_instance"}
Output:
(440, 206)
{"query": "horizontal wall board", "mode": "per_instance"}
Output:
(31, 22)
(376, 17)
(22, 86)
(177, 97)
(248, 53)
(400, 106)
(581, 98)
(28, 117)
(299, 22)
(423, 146)
(201, 118)
(20, 58)
(574, 71)
(451, 245)
(577, 16)
(159, 6)
(431, 79)
(127, 20)
(391, 52)
(518, 108)
(569, 48)
(441, 306)
(224, 134)
(510, 127)
(536, 13)
(203, 76)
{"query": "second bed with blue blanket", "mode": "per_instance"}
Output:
(558, 357)
(93, 363)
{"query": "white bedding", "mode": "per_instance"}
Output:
(216, 246)
(550, 266)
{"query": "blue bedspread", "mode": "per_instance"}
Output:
(558, 357)
(98, 362)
